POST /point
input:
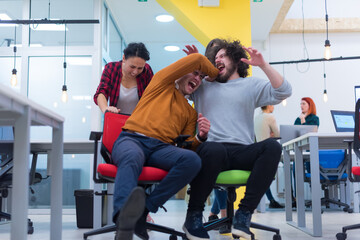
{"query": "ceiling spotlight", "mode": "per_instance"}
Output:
(164, 18)
(172, 48)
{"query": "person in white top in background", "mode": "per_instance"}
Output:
(265, 127)
(265, 124)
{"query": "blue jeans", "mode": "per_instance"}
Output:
(132, 151)
(219, 201)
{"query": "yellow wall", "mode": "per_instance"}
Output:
(230, 20)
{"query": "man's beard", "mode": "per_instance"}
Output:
(224, 78)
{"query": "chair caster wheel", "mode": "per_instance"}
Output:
(341, 236)
(30, 230)
(350, 210)
(173, 237)
(277, 237)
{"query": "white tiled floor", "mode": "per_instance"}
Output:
(332, 223)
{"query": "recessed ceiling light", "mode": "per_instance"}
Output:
(172, 48)
(164, 18)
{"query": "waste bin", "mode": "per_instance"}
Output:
(84, 201)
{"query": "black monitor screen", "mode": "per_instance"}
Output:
(344, 121)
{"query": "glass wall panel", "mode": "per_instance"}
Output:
(77, 34)
(115, 48)
(75, 176)
(10, 10)
(46, 78)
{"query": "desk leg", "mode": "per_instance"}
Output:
(315, 186)
(299, 179)
(56, 169)
(287, 174)
(98, 199)
(356, 196)
(20, 181)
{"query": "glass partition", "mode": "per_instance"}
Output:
(53, 35)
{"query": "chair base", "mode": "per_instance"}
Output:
(150, 226)
(343, 235)
(227, 221)
(326, 201)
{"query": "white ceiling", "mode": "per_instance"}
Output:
(137, 22)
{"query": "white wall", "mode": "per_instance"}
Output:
(307, 78)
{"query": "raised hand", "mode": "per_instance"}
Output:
(190, 49)
(256, 58)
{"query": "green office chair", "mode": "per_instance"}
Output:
(230, 180)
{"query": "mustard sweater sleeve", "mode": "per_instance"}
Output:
(162, 111)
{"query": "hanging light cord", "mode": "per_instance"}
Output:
(324, 76)
(326, 19)
(65, 58)
(15, 49)
(306, 54)
(49, 11)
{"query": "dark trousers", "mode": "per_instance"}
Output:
(260, 158)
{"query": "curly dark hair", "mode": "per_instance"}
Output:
(136, 50)
(234, 50)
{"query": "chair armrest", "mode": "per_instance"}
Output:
(96, 136)
(180, 141)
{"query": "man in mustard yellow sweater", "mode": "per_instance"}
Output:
(147, 138)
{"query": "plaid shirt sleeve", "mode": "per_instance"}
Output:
(110, 82)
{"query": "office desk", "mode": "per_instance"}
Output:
(312, 142)
(20, 112)
(70, 147)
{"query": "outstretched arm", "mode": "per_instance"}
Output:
(256, 59)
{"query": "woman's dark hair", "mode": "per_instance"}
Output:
(136, 50)
(264, 107)
(212, 43)
(234, 50)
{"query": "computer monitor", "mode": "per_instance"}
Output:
(289, 132)
(344, 121)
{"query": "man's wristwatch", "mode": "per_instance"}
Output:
(201, 139)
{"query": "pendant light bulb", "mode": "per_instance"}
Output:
(327, 54)
(325, 96)
(284, 102)
(13, 80)
(64, 95)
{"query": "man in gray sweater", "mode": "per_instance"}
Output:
(229, 104)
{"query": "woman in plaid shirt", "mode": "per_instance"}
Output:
(123, 83)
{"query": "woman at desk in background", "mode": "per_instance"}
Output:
(308, 113)
(307, 117)
(123, 82)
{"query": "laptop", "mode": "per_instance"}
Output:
(289, 132)
(344, 121)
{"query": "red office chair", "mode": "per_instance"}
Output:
(353, 172)
(106, 172)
